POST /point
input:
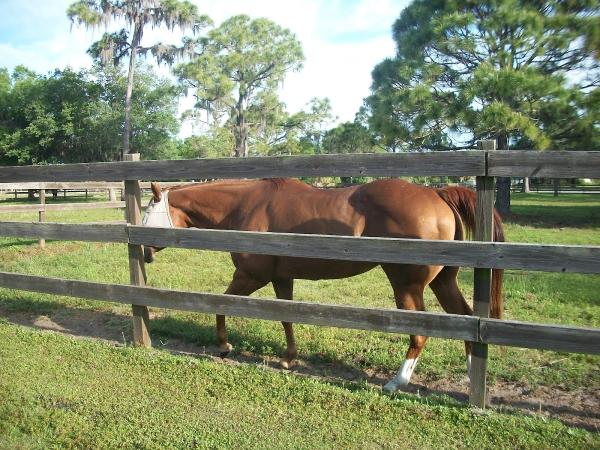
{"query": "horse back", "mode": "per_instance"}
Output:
(396, 208)
(384, 208)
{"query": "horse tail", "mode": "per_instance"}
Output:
(463, 201)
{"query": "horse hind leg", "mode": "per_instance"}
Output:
(241, 284)
(445, 288)
(408, 283)
(284, 289)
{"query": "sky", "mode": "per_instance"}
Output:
(342, 42)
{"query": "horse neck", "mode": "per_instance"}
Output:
(206, 205)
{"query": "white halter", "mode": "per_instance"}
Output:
(157, 213)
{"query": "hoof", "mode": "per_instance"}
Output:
(394, 385)
(403, 376)
(287, 364)
(225, 349)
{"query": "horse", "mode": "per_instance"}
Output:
(381, 208)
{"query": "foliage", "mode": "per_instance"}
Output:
(466, 71)
(217, 142)
(236, 72)
(349, 137)
(298, 133)
(137, 14)
(70, 116)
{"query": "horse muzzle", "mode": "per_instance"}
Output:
(149, 254)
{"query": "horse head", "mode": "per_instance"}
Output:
(158, 214)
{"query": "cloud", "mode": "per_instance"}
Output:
(342, 40)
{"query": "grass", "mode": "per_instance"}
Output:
(365, 418)
(86, 394)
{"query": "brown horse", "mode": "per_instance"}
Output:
(383, 208)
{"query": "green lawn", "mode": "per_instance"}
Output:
(86, 394)
(209, 401)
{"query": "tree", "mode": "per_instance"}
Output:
(349, 137)
(469, 70)
(298, 133)
(237, 70)
(70, 116)
(213, 144)
(137, 14)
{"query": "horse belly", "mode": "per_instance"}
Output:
(319, 269)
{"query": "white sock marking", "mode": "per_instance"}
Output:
(403, 376)
(469, 365)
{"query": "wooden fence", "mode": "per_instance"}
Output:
(481, 255)
(42, 207)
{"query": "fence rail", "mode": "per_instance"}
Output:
(449, 326)
(482, 255)
(455, 163)
(77, 186)
(500, 255)
(61, 206)
(549, 164)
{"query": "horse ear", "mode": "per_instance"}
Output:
(156, 191)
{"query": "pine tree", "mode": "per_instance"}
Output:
(470, 70)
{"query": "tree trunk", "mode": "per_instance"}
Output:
(503, 183)
(556, 185)
(241, 131)
(241, 142)
(526, 189)
(137, 37)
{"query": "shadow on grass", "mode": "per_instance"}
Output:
(19, 242)
(183, 336)
(546, 211)
(553, 216)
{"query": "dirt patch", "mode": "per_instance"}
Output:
(576, 408)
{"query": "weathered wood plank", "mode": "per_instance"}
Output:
(550, 258)
(137, 272)
(541, 336)
(492, 331)
(482, 283)
(75, 185)
(21, 208)
(389, 164)
(42, 214)
(375, 319)
(90, 185)
(66, 232)
(547, 164)
(61, 206)
(90, 205)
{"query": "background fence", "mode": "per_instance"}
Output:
(481, 255)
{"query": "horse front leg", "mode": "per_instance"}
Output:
(284, 289)
(242, 284)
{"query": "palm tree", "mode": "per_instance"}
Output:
(137, 14)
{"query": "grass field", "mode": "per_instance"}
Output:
(81, 393)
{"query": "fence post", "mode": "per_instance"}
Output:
(137, 272)
(482, 280)
(42, 213)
